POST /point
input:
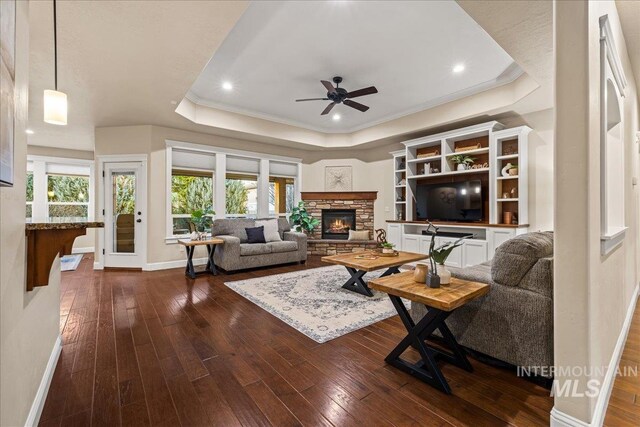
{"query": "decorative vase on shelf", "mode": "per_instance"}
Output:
(462, 167)
(420, 273)
(505, 169)
(445, 275)
(513, 171)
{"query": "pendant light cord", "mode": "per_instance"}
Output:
(55, 45)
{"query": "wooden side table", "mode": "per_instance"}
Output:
(357, 266)
(440, 303)
(190, 246)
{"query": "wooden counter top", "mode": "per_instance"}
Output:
(48, 238)
(459, 224)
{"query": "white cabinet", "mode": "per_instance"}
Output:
(394, 235)
(425, 241)
(474, 252)
(497, 236)
(411, 243)
(455, 257)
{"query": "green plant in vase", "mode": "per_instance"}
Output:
(202, 219)
(440, 254)
(301, 220)
(463, 161)
(387, 248)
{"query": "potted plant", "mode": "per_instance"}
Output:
(201, 219)
(463, 161)
(440, 255)
(301, 220)
(387, 248)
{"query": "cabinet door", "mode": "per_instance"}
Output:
(425, 241)
(394, 235)
(498, 237)
(455, 257)
(474, 252)
(411, 243)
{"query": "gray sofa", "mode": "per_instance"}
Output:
(237, 254)
(514, 321)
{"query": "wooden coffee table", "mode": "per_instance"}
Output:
(358, 267)
(440, 303)
(190, 246)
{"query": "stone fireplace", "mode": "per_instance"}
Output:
(335, 211)
(336, 223)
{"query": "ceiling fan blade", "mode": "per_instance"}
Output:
(329, 86)
(356, 105)
(361, 92)
(312, 99)
(326, 110)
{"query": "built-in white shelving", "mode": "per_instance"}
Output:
(489, 144)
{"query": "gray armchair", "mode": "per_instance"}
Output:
(237, 254)
(514, 321)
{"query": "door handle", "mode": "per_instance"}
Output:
(138, 220)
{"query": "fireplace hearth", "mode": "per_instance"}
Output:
(336, 223)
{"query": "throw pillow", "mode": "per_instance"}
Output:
(255, 235)
(358, 235)
(271, 233)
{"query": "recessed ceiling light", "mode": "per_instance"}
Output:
(458, 68)
(29, 132)
(227, 86)
(336, 117)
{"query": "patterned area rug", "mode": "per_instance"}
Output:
(313, 301)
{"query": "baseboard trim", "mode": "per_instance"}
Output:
(41, 395)
(98, 266)
(86, 250)
(153, 266)
(560, 419)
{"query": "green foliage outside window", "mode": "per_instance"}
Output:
(67, 188)
(29, 186)
(191, 193)
(237, 197)
(124, 196)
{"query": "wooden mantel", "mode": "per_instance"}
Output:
(339, 195)
(48, 238)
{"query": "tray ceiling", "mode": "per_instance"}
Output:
(279, 51)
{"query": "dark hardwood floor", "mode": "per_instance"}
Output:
(624, 404)
(155, 348)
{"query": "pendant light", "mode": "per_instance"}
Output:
(55, 102)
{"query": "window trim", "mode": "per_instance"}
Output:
(220, 175)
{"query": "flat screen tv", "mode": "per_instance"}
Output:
(455, 201)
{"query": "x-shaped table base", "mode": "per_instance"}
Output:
(426, 369)
(356, 284)
(190, 270)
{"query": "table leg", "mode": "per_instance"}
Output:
(211, 266)
(427, 369)
(356, 284)
(390, 271)
(190, 271)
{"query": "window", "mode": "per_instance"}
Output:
(190, 191)
(67, 196)
(281, 195)
(241, 193)
(29, 194)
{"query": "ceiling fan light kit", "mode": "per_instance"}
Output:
(338, 95)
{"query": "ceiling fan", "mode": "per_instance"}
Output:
(338, 95)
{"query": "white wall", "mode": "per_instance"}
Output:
(29, 321)
(592, 292)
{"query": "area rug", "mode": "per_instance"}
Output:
(70, 262)
(313, 301)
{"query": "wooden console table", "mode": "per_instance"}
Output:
(48, 238)
(440, 303)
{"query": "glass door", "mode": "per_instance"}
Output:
(125, 228)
